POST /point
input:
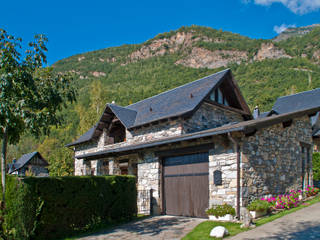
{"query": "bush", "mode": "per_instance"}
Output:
(51, 208)
(221, 210)
(285, 201)
(259, 205)
(316, 166)
(311, 191)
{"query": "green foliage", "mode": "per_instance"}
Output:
(221, 210)
(51, 208)
(202, 231)
(316, 166)
(263, 82)
(259, 205)
(306, 44)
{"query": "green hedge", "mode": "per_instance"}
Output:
(51, 208)
(316, 166)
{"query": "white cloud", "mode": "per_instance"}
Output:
(282, 27)
(296, 6)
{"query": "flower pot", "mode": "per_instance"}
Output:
(225, 218)
(257, 214)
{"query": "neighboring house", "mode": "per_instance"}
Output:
(298, 102)
(30, 163)
(198, 145)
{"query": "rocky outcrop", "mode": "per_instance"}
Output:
(316, 55)
(203, 58)
(98, 74)
(81, 58)
(269, 51)
(159, 47)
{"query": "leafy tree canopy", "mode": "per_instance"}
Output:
(30, 94)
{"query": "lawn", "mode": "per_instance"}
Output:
(202, 231)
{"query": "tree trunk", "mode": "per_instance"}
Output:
(3, 162)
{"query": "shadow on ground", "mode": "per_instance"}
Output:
(304, 231)
(152, 226)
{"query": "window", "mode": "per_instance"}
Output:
(218, 96)
(217, 177)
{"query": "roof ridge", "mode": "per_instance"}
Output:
(299, 93)
(226, 70)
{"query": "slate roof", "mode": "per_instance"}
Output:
(297, 102)
(87, 136)
(23, 160)
(245, 126)
(175, 102)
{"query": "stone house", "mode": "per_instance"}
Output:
(30, 163)
(297, 102)
(198, 145)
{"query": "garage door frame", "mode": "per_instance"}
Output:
(177, 152)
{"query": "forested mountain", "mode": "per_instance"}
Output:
(264, 69)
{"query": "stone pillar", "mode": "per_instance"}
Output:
(149, 178)
(79, 167)
(114, 167)
(94, 167)
(223, 160)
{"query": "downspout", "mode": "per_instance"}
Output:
(237, 147)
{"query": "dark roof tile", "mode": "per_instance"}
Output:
(297, 102)
(23, 160)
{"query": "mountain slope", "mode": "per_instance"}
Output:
(264, 70)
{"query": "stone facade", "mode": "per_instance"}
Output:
(272, 159)
(224, 160)
(149, 178)
(160, 130)
(207, 116)
(210, 116)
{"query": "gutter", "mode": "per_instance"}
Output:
(237, 147)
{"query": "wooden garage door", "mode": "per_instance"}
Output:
(186, 185)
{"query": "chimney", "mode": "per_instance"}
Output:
(256, 112)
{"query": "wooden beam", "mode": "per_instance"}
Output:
(225, 107)
(186, 150)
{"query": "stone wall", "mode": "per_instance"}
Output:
(210, 116)
(149, 178)
(153, 132)
(223, 158)
(271, 159)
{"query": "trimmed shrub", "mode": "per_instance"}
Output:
(221, 210)
(51, 208)
(259, 205)
(316, 166)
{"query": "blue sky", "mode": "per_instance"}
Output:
(79, 26)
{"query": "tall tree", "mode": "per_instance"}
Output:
(30, 94)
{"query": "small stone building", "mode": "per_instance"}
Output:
(198, 145)
(31, 163)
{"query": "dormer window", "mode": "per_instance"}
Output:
(218, 97)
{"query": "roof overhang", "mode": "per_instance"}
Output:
(246, 127)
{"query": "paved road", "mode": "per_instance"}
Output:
(303, 224)
(153, 228)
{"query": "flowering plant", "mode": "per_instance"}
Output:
(311, 191)
(285, 201)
